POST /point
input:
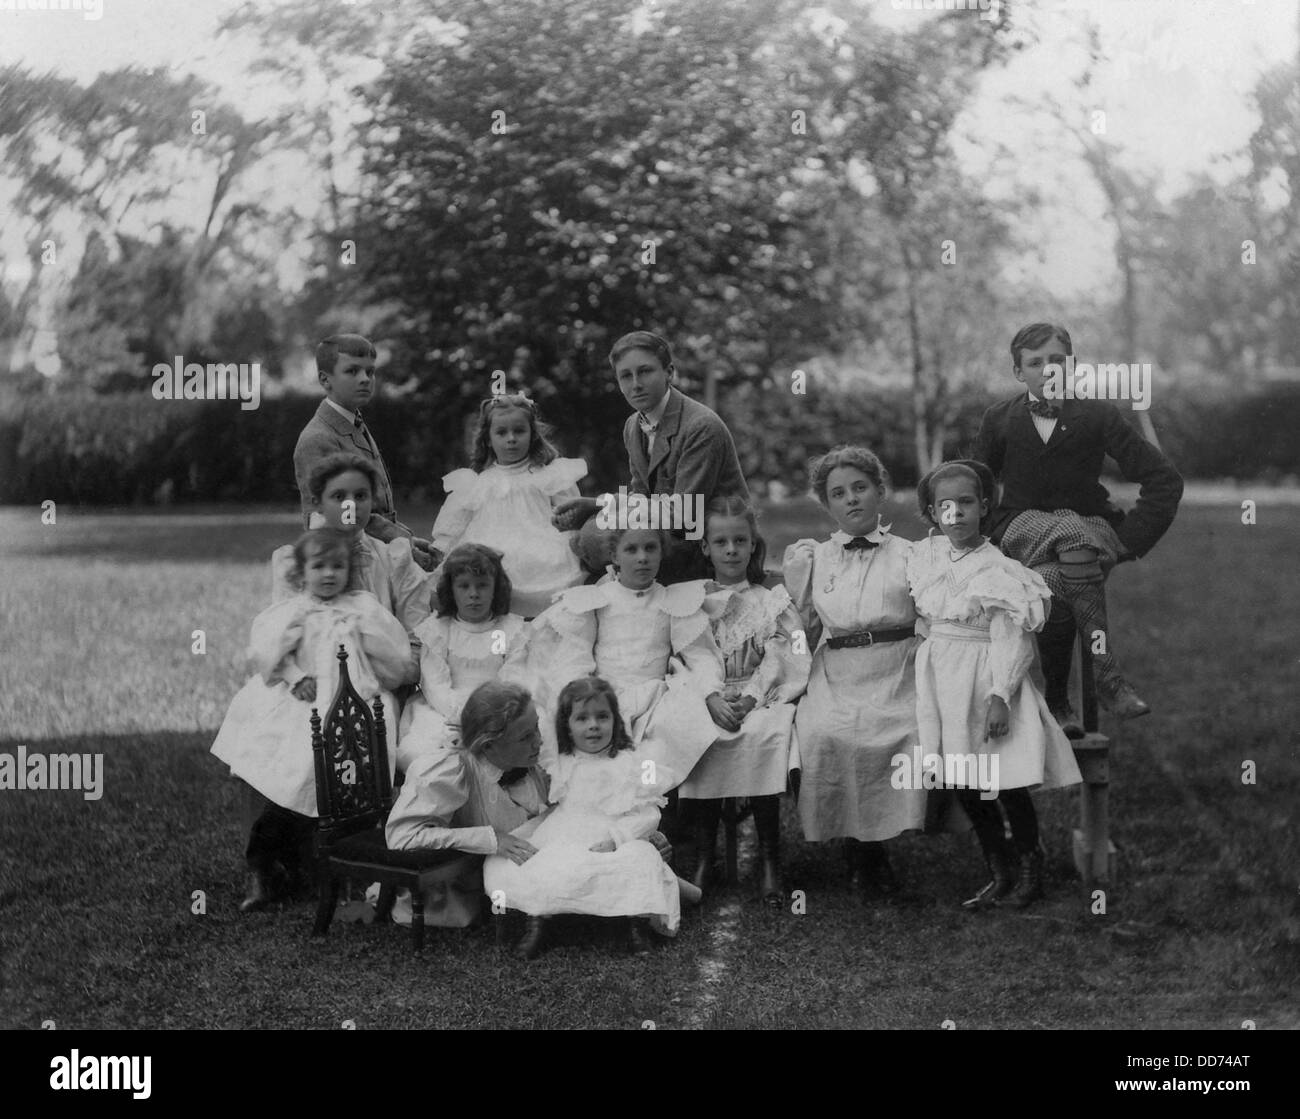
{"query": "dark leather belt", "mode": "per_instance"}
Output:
(870, 637)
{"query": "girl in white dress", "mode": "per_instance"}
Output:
(652, 643)
(342, 487)
(766, 663)
(266, 735)
(860, 708)
(593, 851)
(505, 501)
(472, 639)
(977, 707)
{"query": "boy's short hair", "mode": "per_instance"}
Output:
(642, 340)
(1037, 334)
(354, 345)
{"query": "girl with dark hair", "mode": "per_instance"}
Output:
(473, 639)
(593, 851)
(766, 663)
(978, 712)
(506, 500)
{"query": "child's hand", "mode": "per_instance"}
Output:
(744, 706)
(575, 513)
(424, 553)
(660, 843)
(721, 712)
(305, 689)
(998, 720)
(603, 847)
(517, 850)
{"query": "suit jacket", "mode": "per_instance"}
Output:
(1064, 472)
(328, 433)
(693, 453)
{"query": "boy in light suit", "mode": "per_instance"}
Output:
(345, 364)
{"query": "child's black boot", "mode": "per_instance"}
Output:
(1001, 861)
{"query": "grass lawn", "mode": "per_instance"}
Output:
(97, 927)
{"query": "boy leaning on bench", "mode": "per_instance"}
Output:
(1056, 518)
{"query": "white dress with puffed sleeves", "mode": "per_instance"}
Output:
(981, 606)
(509, 508)
(266, 735)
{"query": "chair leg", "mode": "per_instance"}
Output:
(387, 896)
(327, 897)
(417, 918)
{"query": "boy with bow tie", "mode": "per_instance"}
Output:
(1056, 518)
(345, 364)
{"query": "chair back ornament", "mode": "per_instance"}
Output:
(353, 788)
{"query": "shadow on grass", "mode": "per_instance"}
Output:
(97, 928)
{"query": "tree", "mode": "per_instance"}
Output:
(96, 168)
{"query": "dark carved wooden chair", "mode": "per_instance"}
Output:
(354, 795)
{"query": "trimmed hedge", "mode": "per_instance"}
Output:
(132, 449)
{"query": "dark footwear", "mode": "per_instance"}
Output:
(767, 822)
(1126, 703)
(1030, 887)
(1003, 868)
(879, 878)
(534, 941)
(855, 860)
(638, 936)
(707, 815)
(1068, 721)
(260, 894)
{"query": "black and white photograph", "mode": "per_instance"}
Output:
(652, 515)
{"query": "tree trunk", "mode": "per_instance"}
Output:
(920, 410)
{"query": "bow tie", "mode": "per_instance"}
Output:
(860, 544)
(512, 776)
(1042, 408)
(645, 425)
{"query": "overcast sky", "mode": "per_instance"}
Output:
(1175, 90)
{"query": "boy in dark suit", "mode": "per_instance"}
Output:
(345, 364)
(675, 445)
(1057, 518)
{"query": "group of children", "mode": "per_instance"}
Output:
(874, 649)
